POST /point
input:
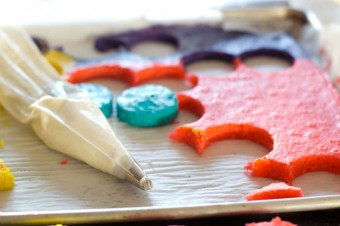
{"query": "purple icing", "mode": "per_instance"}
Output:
(41, 43)
(207, 55)
(197, 42)
(267, 52)
(183, 37)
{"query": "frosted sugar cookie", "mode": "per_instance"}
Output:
(147, 106)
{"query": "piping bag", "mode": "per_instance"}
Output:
(61, 114)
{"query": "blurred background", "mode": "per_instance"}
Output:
(59, 11)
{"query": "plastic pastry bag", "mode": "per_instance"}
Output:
(62, 115)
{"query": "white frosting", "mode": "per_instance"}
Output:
(60, 114)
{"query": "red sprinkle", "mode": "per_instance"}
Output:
(175, 122)
(63, 162)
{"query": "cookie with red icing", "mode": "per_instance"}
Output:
(275, 191)
(294, 113)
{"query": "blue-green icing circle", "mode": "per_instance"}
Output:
(100, 95)
(147, 106)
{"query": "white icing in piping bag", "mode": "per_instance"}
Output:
(62, 115)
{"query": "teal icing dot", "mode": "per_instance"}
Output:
(100, 95)
(147, 106)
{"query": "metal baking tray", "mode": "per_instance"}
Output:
(76, 193)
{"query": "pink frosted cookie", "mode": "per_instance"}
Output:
(294, 113)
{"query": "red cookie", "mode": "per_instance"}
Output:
(294, 113)
(274, 222)
(275, 191)
(130, 76)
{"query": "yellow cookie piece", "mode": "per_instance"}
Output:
(2, 143)
(60, 61)
(1, 110)
(6, 177)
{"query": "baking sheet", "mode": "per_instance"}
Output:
(185, 185)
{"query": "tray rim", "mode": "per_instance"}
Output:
(105, 215)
